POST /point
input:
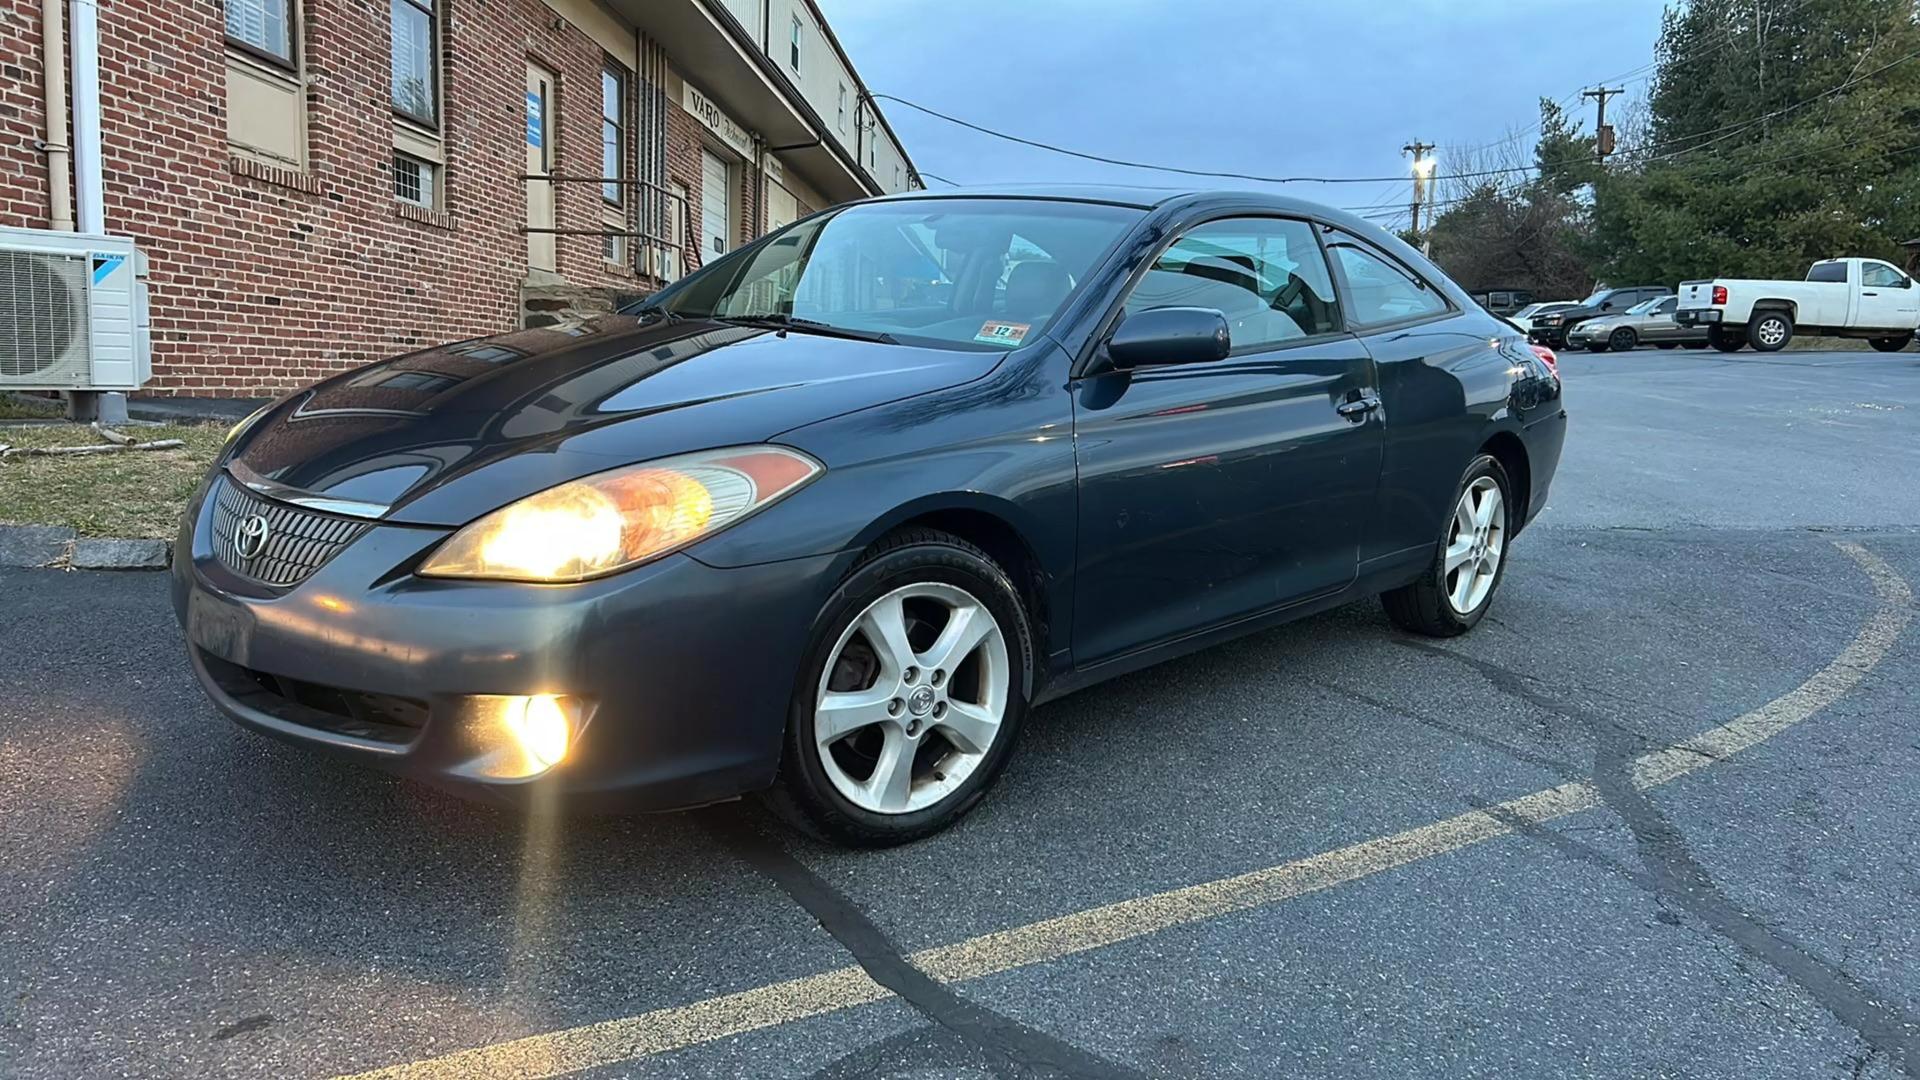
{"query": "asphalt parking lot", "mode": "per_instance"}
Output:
(1655, 817)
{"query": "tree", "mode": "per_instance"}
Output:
(1782, 131)
(1499, 228)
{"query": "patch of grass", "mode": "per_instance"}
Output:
(21, 407)
(130, 493)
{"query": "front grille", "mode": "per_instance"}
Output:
(297, 541)
(382, 718)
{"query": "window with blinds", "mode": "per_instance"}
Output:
(262, 26)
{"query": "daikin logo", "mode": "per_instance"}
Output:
(104, 265)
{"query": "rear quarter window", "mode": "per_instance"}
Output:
(1833, 272)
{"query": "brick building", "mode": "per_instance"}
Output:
(320, 183)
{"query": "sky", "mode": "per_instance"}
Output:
(1269, 87)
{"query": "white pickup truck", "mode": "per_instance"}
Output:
(1855, 298)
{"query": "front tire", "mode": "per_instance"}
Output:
(910, 696)
(1770, 331)
(1622, 340)
(1454, 592)
(1891, 344)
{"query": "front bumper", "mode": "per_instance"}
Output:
(684, 670)
(1553, 337)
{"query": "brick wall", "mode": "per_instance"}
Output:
(262, 279)
(23, 116)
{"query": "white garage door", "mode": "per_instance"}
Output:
(716, 204)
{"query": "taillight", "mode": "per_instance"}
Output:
(1546, 357)
(1719, 294)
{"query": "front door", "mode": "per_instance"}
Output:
(716, 206)
(1888, 298)
(1214, 492)
(540, 246)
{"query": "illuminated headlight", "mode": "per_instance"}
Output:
(610, 521)
(543, 729)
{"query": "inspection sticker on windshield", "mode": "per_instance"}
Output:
(1003, 333)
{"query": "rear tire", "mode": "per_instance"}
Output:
(1891, 344)
(1724, 341)
(1436, 604)
(1770, 331)
(832, 785)
(1623, 340)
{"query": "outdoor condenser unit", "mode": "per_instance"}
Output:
(73, 312)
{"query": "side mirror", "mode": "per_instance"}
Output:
(1170, 335)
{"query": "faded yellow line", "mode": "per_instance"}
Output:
(678, 1027)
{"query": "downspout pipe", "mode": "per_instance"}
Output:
(86, 115)
(53, 71)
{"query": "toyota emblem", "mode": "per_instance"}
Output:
(250, 539)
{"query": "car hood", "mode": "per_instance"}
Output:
(445, 435)
(1599, 321)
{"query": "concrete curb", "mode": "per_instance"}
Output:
(60, 548)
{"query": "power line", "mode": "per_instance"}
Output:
(1720, 42)
(1731, 129)
(936, 176)
(1818, 152)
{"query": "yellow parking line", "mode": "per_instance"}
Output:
(614, 1041)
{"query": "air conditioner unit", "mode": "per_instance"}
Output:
(73, 312)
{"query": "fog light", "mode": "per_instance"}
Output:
(542, 727)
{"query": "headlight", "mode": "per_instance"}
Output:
(610, 521)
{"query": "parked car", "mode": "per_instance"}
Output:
(1648, 322)
(1526, 315)
(1503, 301)
(1551, 329)
(1852, 298)
(773, 531)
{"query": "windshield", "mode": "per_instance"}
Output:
(1528, 310)
(1646, 307)
(974, 273)
(1596, 298)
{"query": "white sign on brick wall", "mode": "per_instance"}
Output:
(730, 131)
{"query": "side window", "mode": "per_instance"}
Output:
(1266, 275)
(1831, 272)
(1667, 306)
(1880, 276)
(1380, 291)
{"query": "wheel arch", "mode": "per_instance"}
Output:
(999, 528)
(1775, 303)
(1511, 452)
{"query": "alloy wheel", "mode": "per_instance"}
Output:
(1476, 540)
(912, 698)
(1772, 332)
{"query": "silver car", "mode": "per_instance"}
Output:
(1649, 322)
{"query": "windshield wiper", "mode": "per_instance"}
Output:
(650, 312)
(784, 323)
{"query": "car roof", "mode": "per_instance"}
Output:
(1141, 197)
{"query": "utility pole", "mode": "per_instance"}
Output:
(1422, 173)
(1602, 134)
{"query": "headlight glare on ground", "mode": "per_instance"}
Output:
(613, 520)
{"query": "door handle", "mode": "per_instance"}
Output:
(1357, 408)
(1869, 294)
